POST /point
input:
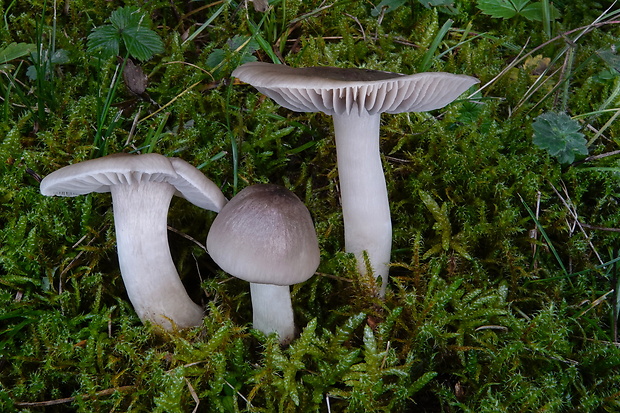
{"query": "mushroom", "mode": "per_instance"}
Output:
(265, 236)
(142, 187)
(355, 98)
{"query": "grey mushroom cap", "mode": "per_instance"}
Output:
(99, 175)
(265, 235)
(337, 91)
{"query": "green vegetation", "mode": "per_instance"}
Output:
(560, 136)
(503, 292)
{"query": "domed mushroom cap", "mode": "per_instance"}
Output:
(265, 235)
(337, 91)
(99, 175)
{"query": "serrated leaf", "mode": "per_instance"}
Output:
(105, 39)
(125, 17)
(215, 58)
(129, 27)
(249, 44)
(31, 72)
(60, 57)
(142, 43)
(506, 9)
(559, 135)
(502, 9)
(247, 58)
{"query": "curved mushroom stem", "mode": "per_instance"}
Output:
(272, 310)
(365, 206)
(149, 274)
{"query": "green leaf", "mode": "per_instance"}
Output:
(436, 3)
(502, 9)
(142, 43)
(104, 39)
(239, 50)
(534, 11)
(611, 57)
(15, 51)
(506, 9)
(243, 43)
(559, 135)
(60, 57)
(129, 27)
(125, 17)
(215, 58)
(387, 6)
(469, 112)
(45, 62)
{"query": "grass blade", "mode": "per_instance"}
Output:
(426, 61)
(545, 236)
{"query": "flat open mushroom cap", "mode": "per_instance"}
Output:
(265, 235)
(99, 175)
(337, 91)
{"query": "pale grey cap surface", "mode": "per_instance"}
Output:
(265, 235)
(99, 175)
(337, 91)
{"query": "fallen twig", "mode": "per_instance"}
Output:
(45, 403)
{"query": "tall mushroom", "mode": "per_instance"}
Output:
(265, 235)
(142, 187)
(355, 98)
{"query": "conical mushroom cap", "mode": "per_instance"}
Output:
(265, 235)
(99, 175)
(337, 91)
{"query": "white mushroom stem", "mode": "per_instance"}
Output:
(272, 310)
(149, 274)
(365, 206)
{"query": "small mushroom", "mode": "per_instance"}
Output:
(142, 187)
(355, 98)
(265, 235)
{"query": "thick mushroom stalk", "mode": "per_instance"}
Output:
(356, 98)
(149, 274)
(363, 192)
(265, 236)
(272, 310)
(142, 187)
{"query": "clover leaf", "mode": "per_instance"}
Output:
(559, 135)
